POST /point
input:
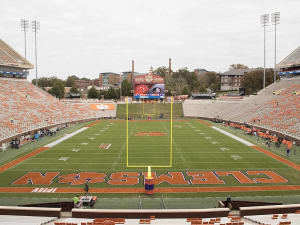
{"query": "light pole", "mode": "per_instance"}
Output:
(24, 28)
(264, 20)
(275, 20)
(35, 25)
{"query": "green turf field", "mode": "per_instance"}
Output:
(138, 110)
(196, 147)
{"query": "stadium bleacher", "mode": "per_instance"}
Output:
(276, 108)
(24, 107)
(277, 219)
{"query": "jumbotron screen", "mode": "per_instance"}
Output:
(149, 86)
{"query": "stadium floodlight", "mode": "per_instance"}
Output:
(24, 28)
(264, 20)
(275, 20)
(35, 25)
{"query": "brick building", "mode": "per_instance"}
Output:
(109, 79)
(232, 79)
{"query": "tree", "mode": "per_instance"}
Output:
(238, 66)
(111, 93)
(213, 81)
(175, 85)
(93, 93)
(45, 81)
(102, 93)
(253, 81)
(74, 90)
(70, 82)
(190, 78)
(185, 91)
(202, 88)
(126, 88)
(58, 89)
(162, 71)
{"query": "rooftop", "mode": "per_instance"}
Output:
(293, 59)
(238, 71)
(9, 57)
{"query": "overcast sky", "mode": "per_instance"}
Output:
(86, 37)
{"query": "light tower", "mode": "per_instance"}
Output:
(275, 20)
(35, 25)
(264, 20)
(24, 28)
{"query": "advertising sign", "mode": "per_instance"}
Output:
(149, 86)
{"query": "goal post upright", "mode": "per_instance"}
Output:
(143, 100)
(171, 133)
(127, 130)
(170, 164)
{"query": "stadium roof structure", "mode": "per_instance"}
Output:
(105, 73)
(293, 59)
(239, 72)
(10, 58)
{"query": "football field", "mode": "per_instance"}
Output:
(195, 158)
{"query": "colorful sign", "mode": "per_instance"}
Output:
(149, 86)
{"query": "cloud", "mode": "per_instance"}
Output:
(88, 37)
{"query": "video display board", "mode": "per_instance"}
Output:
(149, 86)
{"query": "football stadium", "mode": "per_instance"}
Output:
(150, 157)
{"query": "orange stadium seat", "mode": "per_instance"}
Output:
(25, 107)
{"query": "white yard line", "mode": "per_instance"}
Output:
(123, 148)
(233, 136)
(176, 147)
(52, 144)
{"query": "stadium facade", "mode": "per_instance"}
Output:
(290, 65)
(12, 64)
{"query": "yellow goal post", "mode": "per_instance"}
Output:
(171, 140)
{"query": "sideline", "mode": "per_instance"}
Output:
(234, 137)
(21, 159)
(39, 150)
(157, 190)
(260, 149)
(52, 144)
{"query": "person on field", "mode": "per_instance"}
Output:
(268, 142)
(86, 188)
(289, 146)
(93, 201)
(77, 202)
(228, 201)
